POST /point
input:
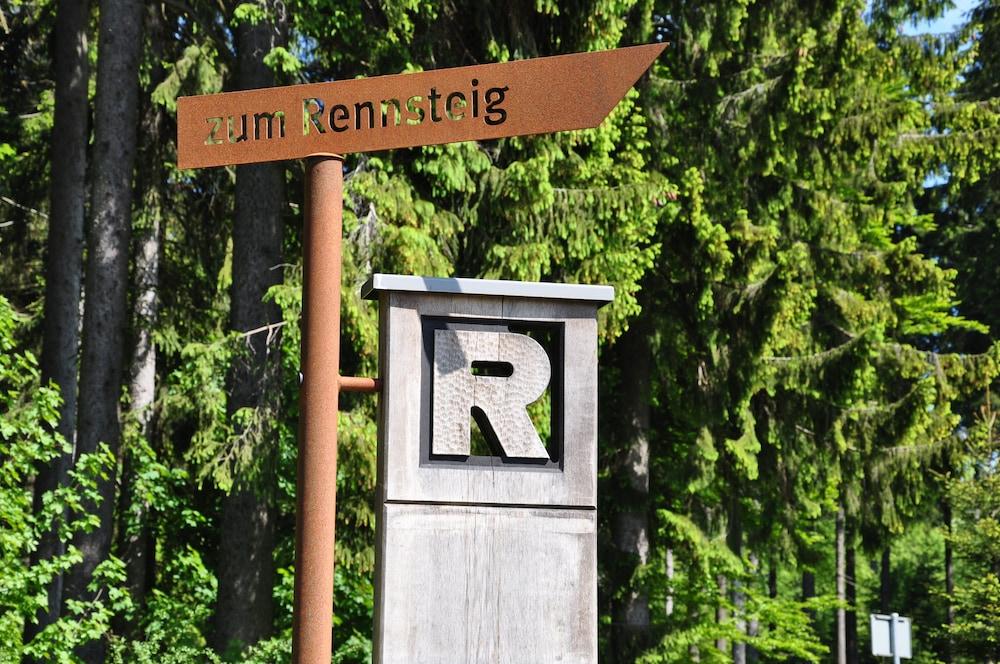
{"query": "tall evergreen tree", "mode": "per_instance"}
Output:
(245, 611)
(134, 545)
(793, 288)
(64, 257)
(966, 238)
(104, 322)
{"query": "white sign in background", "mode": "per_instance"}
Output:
(882, 641)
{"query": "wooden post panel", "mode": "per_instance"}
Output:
(487, 471)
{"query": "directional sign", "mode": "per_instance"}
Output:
(480, 102)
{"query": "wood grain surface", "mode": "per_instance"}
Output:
(486, 585)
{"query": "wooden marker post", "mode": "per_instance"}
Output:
(319, 121)
(486, 556)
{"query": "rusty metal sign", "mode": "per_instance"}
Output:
(480, 102)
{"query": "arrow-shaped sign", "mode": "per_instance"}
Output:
(480, 102)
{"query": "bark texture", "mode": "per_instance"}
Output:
(808, 585)
(101, 362)
(721, 612)
(885, 581)
(136, 546)
(753, 623)
(670, 580)
(949, 574)
(853, 651)
(734, 536)
(630, 524)
(809, 591)
(64, 261)
(244, 610)
(841, 563)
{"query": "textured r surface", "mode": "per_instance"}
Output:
(502, 399)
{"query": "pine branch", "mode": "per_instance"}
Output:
(915, 136)
(816, 357)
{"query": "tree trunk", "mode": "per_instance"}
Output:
(136, 546)
(739, 605)
(885, 581)
(841, 562)
(808, 586)
(734, 536)
(244, 609)
(808, 592)
(949, 574)
(753, 624)
(670, 580)
(63, 262)
(630, 524)
(115, 120)
(721, 613)
(853, 653)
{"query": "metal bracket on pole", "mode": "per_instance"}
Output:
(360, 384)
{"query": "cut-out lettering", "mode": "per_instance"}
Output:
(233, 138)
(339, 112)
(479, 102)
(434, 106)
(433, 98)
(413, 105)
(269, 119)
(494, 114)
(213, 133)
(369, 108)
(394, 105)
(312, 111)
(470, 373)
(450, 105)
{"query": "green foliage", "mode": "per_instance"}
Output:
(353, 597)
(793, 372)
(977, 605)
(249, 12)
(798, 204)
(28, 415)
(975, 496)
(156, 651)
(785, 630)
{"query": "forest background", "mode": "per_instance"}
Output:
(799, 208)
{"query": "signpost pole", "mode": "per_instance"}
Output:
(312, 632)
(892, 638)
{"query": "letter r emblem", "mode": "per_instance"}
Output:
(503, 399)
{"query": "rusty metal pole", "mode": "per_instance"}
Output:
(312, 619)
